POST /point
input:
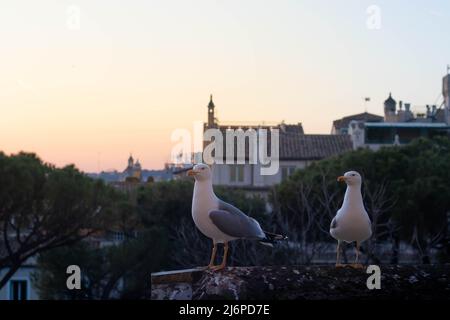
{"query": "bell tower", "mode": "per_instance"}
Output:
(130, 161)
(390, 109)
(211, 118)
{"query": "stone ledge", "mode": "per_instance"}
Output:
(177, 276)
(302, 282)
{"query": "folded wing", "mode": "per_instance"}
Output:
(233, 222)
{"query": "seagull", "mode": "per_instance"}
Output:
(221, 221)
(351, 222)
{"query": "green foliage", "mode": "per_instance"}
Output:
(51, 278)
(43, 207)
(66, 198)
(165, 202)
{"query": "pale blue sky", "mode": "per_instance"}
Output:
(136, 70)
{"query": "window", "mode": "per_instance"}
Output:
(18, 290)
(236, 173)
(379, 135)
(406, 135)
(118, 236)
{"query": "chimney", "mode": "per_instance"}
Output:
(400, 104)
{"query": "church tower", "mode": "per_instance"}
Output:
(130, 161)
(211, 118)
(390, 109)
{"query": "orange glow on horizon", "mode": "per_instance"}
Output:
(131, 74)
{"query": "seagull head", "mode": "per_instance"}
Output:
(350, 178)
(200, 172)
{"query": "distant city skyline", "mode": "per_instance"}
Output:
(89, 82)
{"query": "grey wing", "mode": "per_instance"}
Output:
(333, 223)
(233, 222)
(370, 221)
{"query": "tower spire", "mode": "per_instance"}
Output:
(130, 160)
(211, 119)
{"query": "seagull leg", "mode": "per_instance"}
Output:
(356, 264)
(213, 256)
(338, 255)
(224, 260)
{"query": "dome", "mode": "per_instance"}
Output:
(389, 104)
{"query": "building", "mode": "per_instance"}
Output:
(133, 170)
(134, 173)
(400, 124)
(340, 126)
(20, 286)
(296, 151)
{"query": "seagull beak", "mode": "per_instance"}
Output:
(341, 179)
(191, 173)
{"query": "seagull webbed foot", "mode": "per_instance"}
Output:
(218, 268)
(208, 267)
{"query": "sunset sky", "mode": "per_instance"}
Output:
(134, 71)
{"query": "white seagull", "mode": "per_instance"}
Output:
(351, 222)
(219, 220)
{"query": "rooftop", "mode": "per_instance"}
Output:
(366, 116)
(313, 146)
(295, 145)
(407, 125)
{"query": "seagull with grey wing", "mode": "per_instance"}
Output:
(351, 222)
(221, 221)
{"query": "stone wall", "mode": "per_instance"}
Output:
(303, 282)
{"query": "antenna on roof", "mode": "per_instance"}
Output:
(366, 99)
(448, 69)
